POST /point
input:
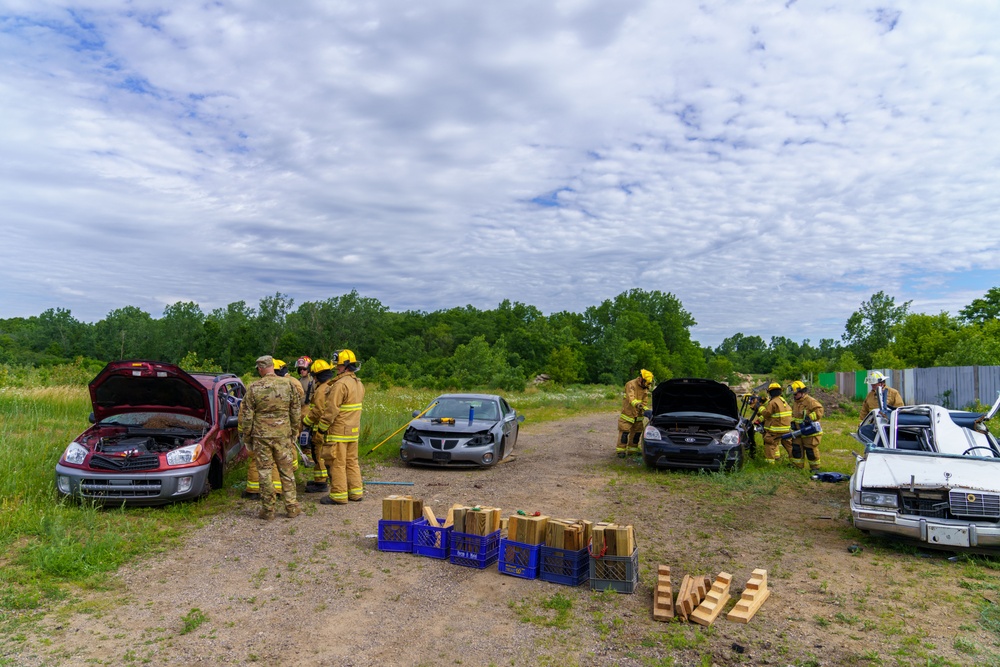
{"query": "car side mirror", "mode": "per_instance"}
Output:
(231, 422)
(92, 418)
(416, 413)
(520, 418)
(648, 414)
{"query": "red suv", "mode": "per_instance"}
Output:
(159, 435)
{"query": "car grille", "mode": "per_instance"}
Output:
(124, 463)
(443, 444)
(933, 505)
(691, 439)
(132, 488)
(975, 504)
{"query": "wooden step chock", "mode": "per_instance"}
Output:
(663, 598)
(752, 598)
(714, 601)
(693, 591)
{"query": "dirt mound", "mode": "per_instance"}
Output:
(834, 403)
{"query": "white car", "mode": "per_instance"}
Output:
(929, 475)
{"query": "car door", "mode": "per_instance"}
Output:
(510, 426)
(230, 396)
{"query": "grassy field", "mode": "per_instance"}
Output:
(50, 548)
(52, 551)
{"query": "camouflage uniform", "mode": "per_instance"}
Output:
(777, 419)
(806, 406)
(253, 475)
(269, 418)
(630, 422)
(340, 421)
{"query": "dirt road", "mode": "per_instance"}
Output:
(315, 591)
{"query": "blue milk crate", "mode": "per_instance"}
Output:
(430, 541)
(471, 550)
(564, 566)
(518, 559)
(396, 535)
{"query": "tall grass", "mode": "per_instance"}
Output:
(49, 546)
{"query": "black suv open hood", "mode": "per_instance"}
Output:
(147, 386)
(694, 395)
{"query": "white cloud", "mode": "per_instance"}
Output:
(772, 166)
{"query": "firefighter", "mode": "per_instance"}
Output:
(305, 379)
(877, 382)
(777, 420)
(630, 422)
(805, 410)
(322, 372)
(341, 422)
(268, 420)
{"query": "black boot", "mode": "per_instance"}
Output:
(317, 487)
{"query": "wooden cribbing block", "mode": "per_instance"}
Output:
(688, 600)
(753, 597)
(663, 599)
(715, 600)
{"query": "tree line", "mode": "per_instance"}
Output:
(503, 347)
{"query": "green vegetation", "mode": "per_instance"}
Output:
(192, 620)
(50, 547)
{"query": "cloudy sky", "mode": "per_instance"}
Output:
(770, 163)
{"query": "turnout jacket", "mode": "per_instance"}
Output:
(807, 406)
(777, 416)
(634, 401)
(892, 399)
(341, 412)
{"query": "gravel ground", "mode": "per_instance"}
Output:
(315, 590)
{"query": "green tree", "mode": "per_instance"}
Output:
(565, 365)
(180, 330)
(922, 340)
(870, 327)
(125, 333)
(983, 309)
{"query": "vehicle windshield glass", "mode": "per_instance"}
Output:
(458, 408)
(158, 420)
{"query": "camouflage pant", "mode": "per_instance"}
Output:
(276, 453)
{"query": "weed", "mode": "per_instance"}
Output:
(192, 620)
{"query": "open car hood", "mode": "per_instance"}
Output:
(148, 386)
(694, 395)
(460, 427)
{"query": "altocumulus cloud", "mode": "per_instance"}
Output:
(770, 164)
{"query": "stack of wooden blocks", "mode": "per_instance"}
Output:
(474, 520)
(402, 508)
(569, 534)
(527, 529)
(611, 539)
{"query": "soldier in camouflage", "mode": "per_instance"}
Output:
(269, 419)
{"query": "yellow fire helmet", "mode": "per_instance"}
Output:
(773, 385)
(647, 376)
(796, 386)
(278, 364)
(320, 365)
(345, 357)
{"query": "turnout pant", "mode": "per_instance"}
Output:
(629, 437)
(345, 472)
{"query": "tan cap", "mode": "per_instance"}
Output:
(265, 361)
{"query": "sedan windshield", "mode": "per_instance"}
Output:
(458, 408)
